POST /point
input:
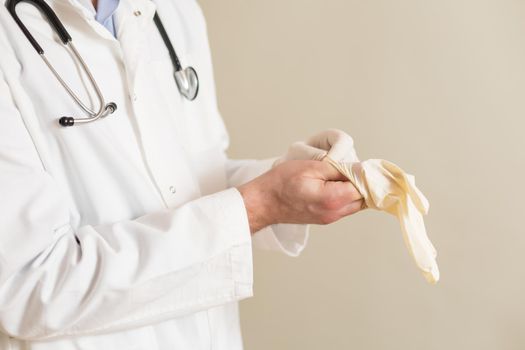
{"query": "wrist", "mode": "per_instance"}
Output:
(258, 203)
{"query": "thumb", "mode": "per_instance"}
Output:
(330, 172)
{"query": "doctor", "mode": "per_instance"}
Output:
(135, 231)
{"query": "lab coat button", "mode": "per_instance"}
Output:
(173, 189)
(137, 13)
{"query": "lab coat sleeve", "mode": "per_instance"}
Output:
(289, 239)
(58, 280)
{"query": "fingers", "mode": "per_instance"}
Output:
(334, 214)
(353, 207)
(342, 192)
(314, 192)
(330, 173)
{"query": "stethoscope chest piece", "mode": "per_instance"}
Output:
(187, 82)
(186, 78)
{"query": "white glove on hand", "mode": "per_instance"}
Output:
(334, 143)
(383, 185)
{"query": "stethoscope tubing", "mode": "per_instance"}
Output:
(48, 13)
(66, 39)
(167, 42)
(70, 91)
(186, 79)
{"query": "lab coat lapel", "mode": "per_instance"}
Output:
(84, 10)
(133, 20)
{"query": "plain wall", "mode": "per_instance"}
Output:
(437, 87)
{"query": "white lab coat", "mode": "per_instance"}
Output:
(124, 233)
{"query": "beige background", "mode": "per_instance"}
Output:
(437, 87)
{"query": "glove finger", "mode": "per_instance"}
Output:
(343, 153)
(417, 196)
(409, 185)
(326, 139)
(302, 151)
(340, 145)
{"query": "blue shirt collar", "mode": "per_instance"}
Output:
(104, 15)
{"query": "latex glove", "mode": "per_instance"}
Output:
(335, 143)
(385, 186)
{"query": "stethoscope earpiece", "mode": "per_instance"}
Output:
(70, 121)
(111, 107)
(67, 121)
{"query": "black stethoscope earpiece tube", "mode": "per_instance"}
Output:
(167, 42)
(50, 15)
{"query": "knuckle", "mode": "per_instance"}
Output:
(326, 202)
(301, 189)
(315, 165)
(330, 202)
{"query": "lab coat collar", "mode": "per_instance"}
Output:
(86, 5)
(132, 19)
(135, 14)
(141, 10)
(86, 10)
(83, 7)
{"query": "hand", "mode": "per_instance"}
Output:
(335, 143)
(301, 192)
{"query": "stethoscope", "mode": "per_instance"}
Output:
(186, 78)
